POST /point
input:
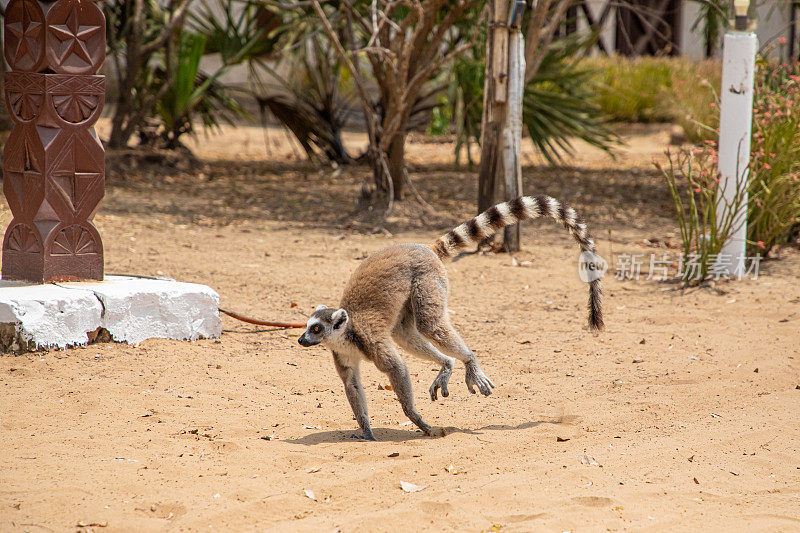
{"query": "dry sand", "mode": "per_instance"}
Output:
(684, 414)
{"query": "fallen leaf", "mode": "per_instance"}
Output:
(562, 439)
(588, 460)
(452, 470)
(310, 495)
(410, 487)
(269, 437)
(313, 470)
(394, 454)
(695, 481)
(638, 361)
(312, 427)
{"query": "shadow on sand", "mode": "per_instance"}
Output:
(403, 435)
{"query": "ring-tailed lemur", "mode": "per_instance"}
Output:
(399, 295)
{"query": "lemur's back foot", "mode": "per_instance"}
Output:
(476, 378)
(437, 432)
(441, 381)
(426, 429)
(364, 436)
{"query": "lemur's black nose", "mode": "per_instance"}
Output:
(303, 341)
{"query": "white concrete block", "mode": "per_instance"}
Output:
(131, 309)
(48, 315)
(138, 309)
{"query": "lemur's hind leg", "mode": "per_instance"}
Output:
(408, 338)
(388, 360)
(447, 339)
(351, 377)
(429, 301)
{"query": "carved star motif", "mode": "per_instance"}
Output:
(73, 37)
(26, 32)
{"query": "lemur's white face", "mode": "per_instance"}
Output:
(323, 326)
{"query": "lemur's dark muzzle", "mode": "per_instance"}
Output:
(303, 340)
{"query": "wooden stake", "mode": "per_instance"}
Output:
(512, 130)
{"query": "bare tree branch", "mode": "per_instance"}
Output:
(536, 50)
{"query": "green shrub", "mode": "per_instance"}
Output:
(659, 89)
(693, 98)
(633, 90)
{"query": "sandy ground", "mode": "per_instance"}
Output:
(684, 414)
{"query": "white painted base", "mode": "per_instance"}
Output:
(130, 309)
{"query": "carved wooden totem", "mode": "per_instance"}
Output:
(54, 172)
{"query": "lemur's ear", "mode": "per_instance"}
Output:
(339, 318)
(321, 307)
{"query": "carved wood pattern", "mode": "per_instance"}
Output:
(54, 164)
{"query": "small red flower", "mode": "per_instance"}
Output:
(760, 244)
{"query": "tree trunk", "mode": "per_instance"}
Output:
(397, 164)
(117, 138)
(487, 186)
(494, 105)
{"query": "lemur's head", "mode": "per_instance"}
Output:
(323, 325)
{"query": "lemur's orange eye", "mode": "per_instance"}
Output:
(315, 329)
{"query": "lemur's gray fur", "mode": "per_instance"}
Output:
(399, 295)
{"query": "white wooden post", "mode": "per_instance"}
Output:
(735, 128)
(512, 128)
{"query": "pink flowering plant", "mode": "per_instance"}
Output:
(774, 208)
(693, 180)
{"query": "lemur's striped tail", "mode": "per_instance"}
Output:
(523, 208)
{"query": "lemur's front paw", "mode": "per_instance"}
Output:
(476, 378)
(441, 383)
